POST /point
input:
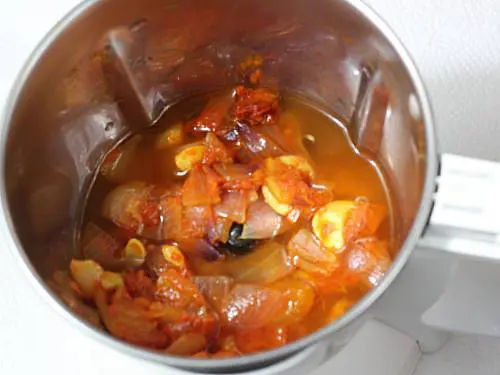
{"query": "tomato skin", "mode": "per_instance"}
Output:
(256, 106)
(212, 118)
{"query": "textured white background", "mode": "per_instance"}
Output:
(456, 45)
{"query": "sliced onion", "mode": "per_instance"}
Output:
(105, 249)
(201, 187)
(197, 221)
(254, 144)
(233, 206)
(263, 222)
(171, 213)
(219, 232)
(200, 248)
(214, 288)
(287, 134)
(266, 264)
(309, 255)
(216, 151)
(122, 205)
(99, 245)
(251, 306)
(235, 172)
(370, 260)
(212, 117)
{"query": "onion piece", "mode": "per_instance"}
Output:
(235, 172)
(215, 151)
(171, 212)
(123, 205)
(197, 221)
(369, 259)
(212, 117)
(214, 288)
(254, 144)
(251, 306)
(201, 187)
(309, 255)
(219, 232)
(263, 222)
(102, 247)
(266, 264)
(200, 248)
(99, 245)
(233, 206)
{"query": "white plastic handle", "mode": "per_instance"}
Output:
(466, 213)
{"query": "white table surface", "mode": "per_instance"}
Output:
(456, 45)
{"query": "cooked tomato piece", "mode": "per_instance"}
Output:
(256, 106)
(201, 187)
(290, 185)
(213, 116)
(216, 151)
